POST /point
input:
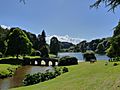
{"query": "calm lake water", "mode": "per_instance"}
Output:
(79, 56)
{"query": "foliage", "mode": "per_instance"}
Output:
(3, 33)
(54, 46)
(82, 46)
(65, 45)
(65, 69)
(2, 47)
(97, 45)
(41, 39)
(100, 49)
(1, 55)
(117, 30)
(12, 61)
(33, 38)
(35, 53)
(89, 55)
(116, 59)
(112, 3)
(57, 71)
(43, 47)
(44, 51)
(18, 43)
(115, 64)
(7, 70)
(41, 77)
(67, 60)
(114, 50)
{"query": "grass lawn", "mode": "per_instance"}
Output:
(7, 70)
(84, 76)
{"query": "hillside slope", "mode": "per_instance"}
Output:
(84, 76)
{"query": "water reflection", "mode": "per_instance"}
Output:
(5, 84)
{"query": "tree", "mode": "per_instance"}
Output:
(117, 30)
(54, 46)
(2, 47)
(100, 49)
(18, 43)
(112, 3)
(44, 51)
(114, 49)
(41, 39)
(42, 45)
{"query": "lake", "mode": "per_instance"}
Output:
(79, 56)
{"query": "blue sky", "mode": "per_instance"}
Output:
(59, 17)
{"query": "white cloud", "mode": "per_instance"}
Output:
(65, 38)
(4, 26)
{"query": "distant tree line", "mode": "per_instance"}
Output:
(97, 45)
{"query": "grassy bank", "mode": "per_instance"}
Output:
(84, 76)
(7, 70)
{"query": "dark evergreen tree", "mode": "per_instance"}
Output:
(42, 45)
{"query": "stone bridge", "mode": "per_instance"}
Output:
(41, 61)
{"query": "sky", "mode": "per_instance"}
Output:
(68, 18)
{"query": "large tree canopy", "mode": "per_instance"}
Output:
(18, 43)
(112, 3)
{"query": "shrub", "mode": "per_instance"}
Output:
(89, 55)
(64, 70)
(115, 64)
(41, 77)
(116, 59)
(67, 60)
(57, 71)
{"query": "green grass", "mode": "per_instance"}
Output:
(84, 76)
(52, 56)
(31, 57)
(7, 70)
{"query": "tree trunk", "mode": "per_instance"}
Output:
(17, 56)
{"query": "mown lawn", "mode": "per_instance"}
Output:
(84, 76)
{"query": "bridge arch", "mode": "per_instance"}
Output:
(41, 62)
(50, 63)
